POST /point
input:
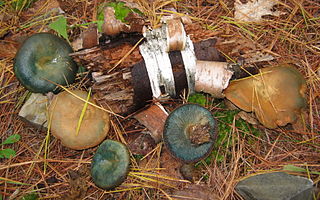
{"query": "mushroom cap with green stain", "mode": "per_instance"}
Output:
(189, 132)
(43, 61)
(110, 164)
(64, 113)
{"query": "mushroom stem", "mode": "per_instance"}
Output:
(199, 134)
(111, 25)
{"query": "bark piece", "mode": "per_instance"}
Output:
(212, 77)
(176, 35)
(153, 118)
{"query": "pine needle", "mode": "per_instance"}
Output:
(47, 139)
(83, 112)
(147, 179)
(12, 181)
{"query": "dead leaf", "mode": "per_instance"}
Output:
(248, 117)
(253, 10)
(257, 56)
(236, 46)
(78, 184)
(142, 145)
(42, 7)
(136, 22)
(90, 37)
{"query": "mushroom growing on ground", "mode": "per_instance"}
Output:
(43, 61)
(189, 132)
(111, 25)
(276, 95)
(110, 164)
(65, 111)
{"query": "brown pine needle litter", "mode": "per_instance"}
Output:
(44, 167)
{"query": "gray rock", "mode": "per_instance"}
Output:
(34, 111)
(275, 186)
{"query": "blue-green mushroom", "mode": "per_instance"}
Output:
(43, 61)
(189, 132)
(110, 164)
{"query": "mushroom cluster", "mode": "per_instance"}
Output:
(189, 132)
(65, 111)
(43, 62)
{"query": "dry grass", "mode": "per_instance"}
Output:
(291, 38)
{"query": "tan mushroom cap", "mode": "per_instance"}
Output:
(276, 95)
(66, 109)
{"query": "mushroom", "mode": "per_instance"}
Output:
(276, 95)
(112, 26)
(110, 164)
(64, 112)
(43, 61)
(189, 132)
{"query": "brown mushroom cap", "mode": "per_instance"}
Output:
(276, 95)
(65, 110)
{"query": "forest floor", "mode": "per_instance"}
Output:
(42, 168)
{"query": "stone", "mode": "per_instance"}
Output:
(275, 186)
(34, 110)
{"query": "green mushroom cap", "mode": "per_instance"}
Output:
(43, 61)
(189, 132)
(110, 164)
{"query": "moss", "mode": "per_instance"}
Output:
(223, 143)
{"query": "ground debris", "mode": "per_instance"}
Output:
(8, 49)
(248, 117)
(104, 59)
(199, 192)
(142, 145)
(153, 118)
(291, 37)
(253, 10)
(78, 184)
